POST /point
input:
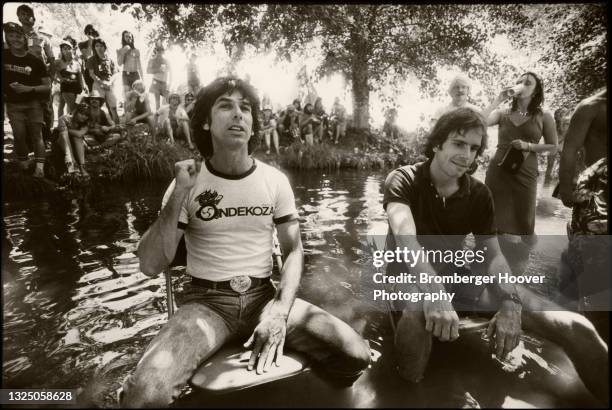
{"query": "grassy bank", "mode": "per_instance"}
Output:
(140, 158)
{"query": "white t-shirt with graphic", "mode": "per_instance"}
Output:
(229, 221)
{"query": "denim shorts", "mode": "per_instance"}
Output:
(30, 111)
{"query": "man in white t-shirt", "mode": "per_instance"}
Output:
(227, 210)
(459, 91)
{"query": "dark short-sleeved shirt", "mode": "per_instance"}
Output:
(102, 68)
(469, 210)
(443, 222)
(27, 70)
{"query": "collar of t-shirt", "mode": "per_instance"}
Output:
(220, 174)
(424, 176)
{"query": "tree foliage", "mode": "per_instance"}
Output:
(382, 45)
(569, 42)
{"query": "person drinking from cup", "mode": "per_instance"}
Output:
(521, 126)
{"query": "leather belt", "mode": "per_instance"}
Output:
(238, 284)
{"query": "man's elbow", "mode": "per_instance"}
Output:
(149, 269)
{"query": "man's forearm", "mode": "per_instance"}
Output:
(158, 245)
(411, 243)
(499, 265)
(291, 275)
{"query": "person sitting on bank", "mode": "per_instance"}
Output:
(310, 124)
(189, 104)
(228, 281)
(269, 129)
(138, 109)
(70, 134)
(128, 56)
(101, 129)
(25, 83)
(102, 69)
(438, 197)
(289, 124)
(173, 122)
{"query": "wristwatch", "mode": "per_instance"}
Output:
(514, 297)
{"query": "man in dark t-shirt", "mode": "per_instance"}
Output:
(25, 87)
(433, 206)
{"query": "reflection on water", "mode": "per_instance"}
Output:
(75, 303)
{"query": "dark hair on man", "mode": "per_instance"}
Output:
(24, 8)
(127, 43)
(537, 99)
(72, 41)
(206, 99)
(98, 41)
(299, 104)
(460, 120)
(89, 29)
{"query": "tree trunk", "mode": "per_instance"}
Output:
(361, 93)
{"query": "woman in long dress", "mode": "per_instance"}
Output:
(521, 126)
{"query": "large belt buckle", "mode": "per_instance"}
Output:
(240, 284)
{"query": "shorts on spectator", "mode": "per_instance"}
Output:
(129, 77)
(108, 95)
(160, 87)
(31, 112)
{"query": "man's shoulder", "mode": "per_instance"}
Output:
(268, 170)
(408, 172)
(478, 188)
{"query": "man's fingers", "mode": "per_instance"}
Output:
(454, 330)
(428, 324)
(249, 342)
(270, 358)
(279, 352)
(499, 345)
(437, 329)
(445, 332)
(491, 328)
(263, 357)
(254, 354)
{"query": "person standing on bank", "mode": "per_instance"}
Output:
(128, 56)
(102, 69)
(86, 48)
(459, 91)
(520, 127)
(68, 71)
(434, 205)
(39, 45)
(229, 256)
(159, 66)
(25, 89)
